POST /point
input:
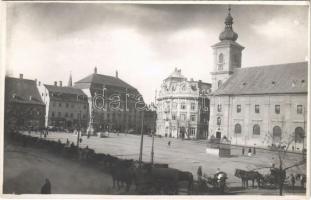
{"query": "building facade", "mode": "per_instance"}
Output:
(24, 109)
(183, 107)
(260, 106)
(66, 107)
(114, 105)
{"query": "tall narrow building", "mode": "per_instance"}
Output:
(227, 54)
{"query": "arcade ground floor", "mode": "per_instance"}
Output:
(182, 131)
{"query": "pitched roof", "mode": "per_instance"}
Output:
(22, 91)
(104, 79)
(64, 90)
(272, 79)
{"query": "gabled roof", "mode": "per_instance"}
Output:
(64, 90)
(104, 79)
(273, 79)
(22, 91)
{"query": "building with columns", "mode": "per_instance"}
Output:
(260, 105)
(183, 107)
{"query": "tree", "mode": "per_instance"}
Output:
(281, 145)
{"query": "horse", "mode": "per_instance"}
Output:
(245, 176)
(122, 172)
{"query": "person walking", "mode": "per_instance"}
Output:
(169, 143)
(249, 152)
(243, 151)
(46, 188)
(292, 180)
(254, 150)
(199, 173)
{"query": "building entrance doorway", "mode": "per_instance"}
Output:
(277, 134)
(218, 135)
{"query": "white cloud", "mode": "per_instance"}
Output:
(278, 28)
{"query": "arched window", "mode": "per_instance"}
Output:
(218, 121)
(221, 58)
(277, 134)
(299, 135)
(256, 129)
(220, 61)
(237, 129)
(219, 83)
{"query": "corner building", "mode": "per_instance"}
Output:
(256, 106)
(183, 107)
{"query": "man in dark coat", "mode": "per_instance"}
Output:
(46, 188)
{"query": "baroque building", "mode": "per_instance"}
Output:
(183, 107)
(66, 107)
(262, 105)
(114, 105)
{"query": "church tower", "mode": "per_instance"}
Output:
(70, 81)
(227, 54)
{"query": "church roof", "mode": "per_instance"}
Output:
(272, 79)
(22, 91)
(104, 79)
(64, 90)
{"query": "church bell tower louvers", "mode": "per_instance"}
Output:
(227, 54)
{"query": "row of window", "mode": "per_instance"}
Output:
(59, 114)
(238, 129)
(67, 105)
(183, 117)
(183, 106)
(277, 132)
(277, 109)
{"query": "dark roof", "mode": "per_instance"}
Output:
(228, 42)
(104, 79)
(64, 90)
(22, 91)
(272, 79)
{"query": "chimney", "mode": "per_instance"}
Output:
(95, 70)
(39, 83)
(21, 76)
(55, 83)
(117, 74)
(60, 83)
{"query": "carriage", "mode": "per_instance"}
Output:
(159, 179)
(212, 184)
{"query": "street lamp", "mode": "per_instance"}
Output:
(79, 130)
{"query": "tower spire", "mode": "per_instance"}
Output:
(70, 80)
(228, 33)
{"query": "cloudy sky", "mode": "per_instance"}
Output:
(145, 42)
